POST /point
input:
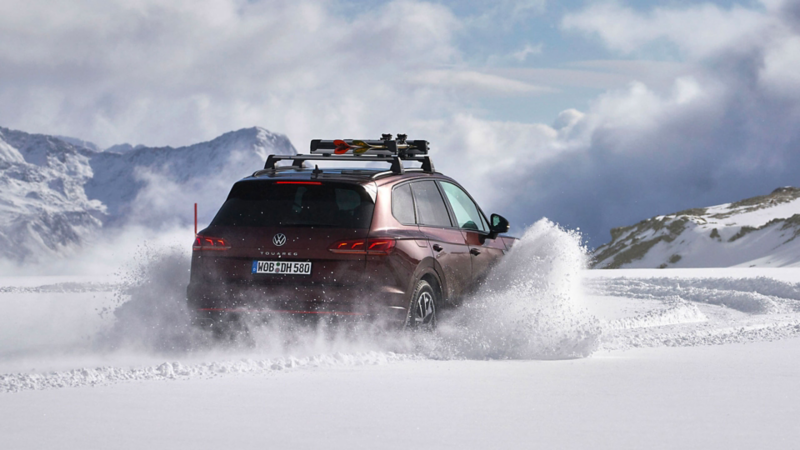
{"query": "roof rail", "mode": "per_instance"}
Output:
(389, 150)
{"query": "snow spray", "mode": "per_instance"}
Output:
(152, 314)
(529, 307)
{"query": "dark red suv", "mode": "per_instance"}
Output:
(398, 244)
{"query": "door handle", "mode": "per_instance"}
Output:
(475, 251)
(438, 247)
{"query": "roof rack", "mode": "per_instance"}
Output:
(386, 149)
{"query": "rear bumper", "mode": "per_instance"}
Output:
(211, 302)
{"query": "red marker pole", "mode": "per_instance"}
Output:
(195, 219)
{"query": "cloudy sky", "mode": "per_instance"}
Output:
(594, 114)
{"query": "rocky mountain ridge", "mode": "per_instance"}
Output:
(756, 232)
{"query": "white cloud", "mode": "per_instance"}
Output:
(698, 31)
(594, 74)
(781, 70)
(177, 72)
(476, 82)
(527, 50)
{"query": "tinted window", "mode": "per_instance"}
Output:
(430, 205)
(403, 204)
(467, 214)
(272, 204)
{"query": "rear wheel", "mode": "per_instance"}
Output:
(422, 312)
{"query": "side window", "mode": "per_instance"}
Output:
(403, 205)
(467, 214)
(431, 209)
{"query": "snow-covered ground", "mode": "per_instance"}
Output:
(563, 358)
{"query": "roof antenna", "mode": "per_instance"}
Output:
(315, 173)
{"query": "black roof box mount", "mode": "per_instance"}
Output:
(386, 149)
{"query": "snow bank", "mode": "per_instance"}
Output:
(67, 286)
(101, 376)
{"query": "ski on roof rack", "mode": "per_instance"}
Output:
(386, 149)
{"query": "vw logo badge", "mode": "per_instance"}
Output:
(279, 239)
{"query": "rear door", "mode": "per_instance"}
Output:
(484, 252)
(266, 221)
(448, 244)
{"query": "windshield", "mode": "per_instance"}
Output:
(294, 203)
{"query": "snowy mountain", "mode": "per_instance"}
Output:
(122, 148)
(56, 192)
(755, 232)
(79, 143)
(147, 185)
(43, 206)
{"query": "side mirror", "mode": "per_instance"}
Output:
(499, 225)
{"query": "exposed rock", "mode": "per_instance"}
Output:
(747, 230)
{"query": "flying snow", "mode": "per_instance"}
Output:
(530, 306)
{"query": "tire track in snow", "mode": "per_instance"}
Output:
(760, 295)
(679, 311)
(770, 310)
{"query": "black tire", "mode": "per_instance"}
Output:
(423, 308)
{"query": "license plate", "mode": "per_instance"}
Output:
(282, 267)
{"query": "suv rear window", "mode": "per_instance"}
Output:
(303, 204)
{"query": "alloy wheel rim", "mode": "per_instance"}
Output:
(424, 310)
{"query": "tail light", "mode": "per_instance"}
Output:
(364, 246)
(202, 243)
(351, 246)
(380, 246)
